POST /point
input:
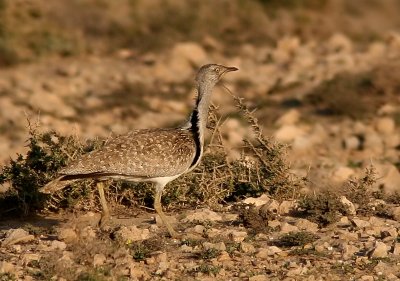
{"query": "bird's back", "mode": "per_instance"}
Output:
(148, 153)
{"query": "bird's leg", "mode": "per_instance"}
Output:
(158, 208)
(105, 216)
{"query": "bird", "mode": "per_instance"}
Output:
(157, 155)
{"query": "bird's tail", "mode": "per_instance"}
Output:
(55, 185)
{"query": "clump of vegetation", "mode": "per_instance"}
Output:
(344, 95)
(208, 269)
(47, 153)
(216, 180)
(252, 218)
(294, 238)
(209, 254)
(323, 208)
(142, 250)
(360, 192)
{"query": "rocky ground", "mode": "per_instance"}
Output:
(335, 104)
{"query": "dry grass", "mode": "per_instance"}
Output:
(261, 169)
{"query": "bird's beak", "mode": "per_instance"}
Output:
(229, 69)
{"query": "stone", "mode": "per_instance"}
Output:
(351, 209)
(15, 236)
(342, 174)
(380, 250)
(266, 253)
(6, 267)
(352, 143)
(306, 225)
(396, 213)
(367, 278)
(344, 222)
(286, 207)
(385, 125)
(247, 248)
(190, 51)
(217, 246)
(202, 215)
(257, 201)
(396, 249)
(271, 207)
(67, 234)
(373, 143)
(340, 43)
(28, 257)
(348, 250)
(288, 133)
(259, 278)
(99, 260)
(237, 236)
(286, 227)
(388, 176)
(128, 234)
(360, 223)
(289, 118)
(51, 103)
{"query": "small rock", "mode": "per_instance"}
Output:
(259, 278)
(388, 176)
(396, 249)
(352, 143)
(247, 248)
(237, 236)
(385, 125)
(190, 51)
(288, 133)
(289, 118)
(344, 222)
(99, 260)
(271, 207)
(57, 245)
(286, 228)
(28, 257)
(14, 236)
(202, 215)
(67, 234)
(186, 249)
(342, 174)
(217, 246)
(265, 253)
(348, 251)
(360, 223)
(286, 207)
(380, 250)
(259, 201)
(350, 206)
(373, 143)
(340, 43)
(132, 233)
(306, 225)
(6, 267)
(367, 278)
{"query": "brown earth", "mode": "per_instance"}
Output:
(332, 97)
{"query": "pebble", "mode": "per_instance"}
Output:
(202, 215)
(380, 250)
(14, 236)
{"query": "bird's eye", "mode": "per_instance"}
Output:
(217, 70)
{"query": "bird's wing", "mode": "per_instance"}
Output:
(141, 154)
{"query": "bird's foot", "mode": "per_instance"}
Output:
(105, 221)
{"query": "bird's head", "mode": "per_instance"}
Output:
(212, 73)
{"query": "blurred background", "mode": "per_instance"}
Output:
(323, 75)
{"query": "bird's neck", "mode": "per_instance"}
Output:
(200, 112)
